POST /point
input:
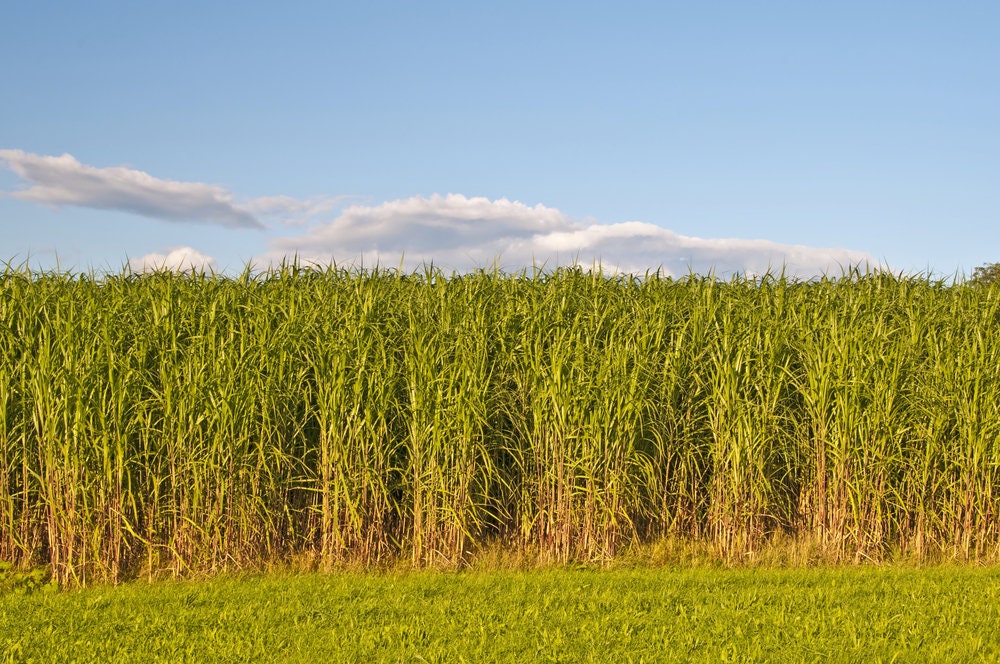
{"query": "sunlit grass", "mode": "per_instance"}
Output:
(750, 615)
(170, 424)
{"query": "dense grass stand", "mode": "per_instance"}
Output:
(183, 424)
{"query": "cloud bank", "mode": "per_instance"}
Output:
(460, 233)
(177, 259)
(454, 232)
(63, 180)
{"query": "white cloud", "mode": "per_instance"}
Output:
(63, 180)
(177, 259)
(292, 211)
(455, 232)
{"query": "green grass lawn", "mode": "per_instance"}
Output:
(850, 615)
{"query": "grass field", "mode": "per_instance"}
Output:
(857, 614)
(178, 425)
(771, 431)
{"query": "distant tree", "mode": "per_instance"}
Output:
(986, 274)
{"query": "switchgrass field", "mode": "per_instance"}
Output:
(854, 614)
(188, 425)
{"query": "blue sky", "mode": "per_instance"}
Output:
(718, 134)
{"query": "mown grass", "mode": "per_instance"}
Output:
(857, 614)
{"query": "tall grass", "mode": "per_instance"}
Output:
(195, 423)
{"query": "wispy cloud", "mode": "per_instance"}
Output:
(176, 259)
(63, 180)
(456, 232)
(293, 211)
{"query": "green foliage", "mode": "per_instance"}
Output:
(25, 581)
(171, 424)
(986, 274)
(830, 615)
